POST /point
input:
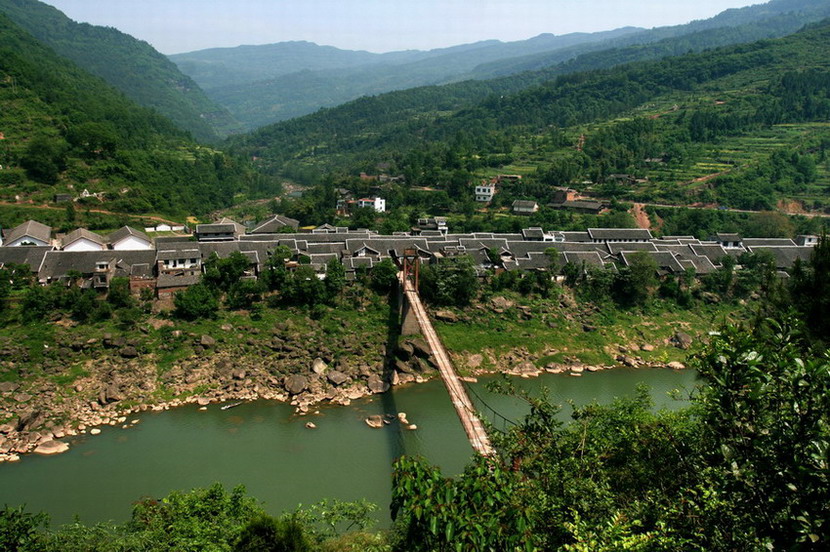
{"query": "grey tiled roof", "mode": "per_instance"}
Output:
(785, 256)
(275, 223)
(82, 233)
(762, 242)
(30, 256)
(32, 229)
(615, 248)
(125, 232)
(619, 233)
(57, 264)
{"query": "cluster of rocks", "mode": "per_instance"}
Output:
(377, 421)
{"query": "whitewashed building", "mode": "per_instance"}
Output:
(129, 239)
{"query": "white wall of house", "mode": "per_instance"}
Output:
(186, 263)
(132, 243)
(83, 244)
(26, 240)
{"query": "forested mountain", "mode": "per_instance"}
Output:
(734, 26)
(130, 65)
(741, 125)
(64, 130)
(264, 84)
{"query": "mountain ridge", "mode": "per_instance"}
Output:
(133, 66)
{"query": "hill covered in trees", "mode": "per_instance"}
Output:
(742, 126)
(132, 66)
(64, 130)
(269, 83)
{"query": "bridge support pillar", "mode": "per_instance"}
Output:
(409, 322)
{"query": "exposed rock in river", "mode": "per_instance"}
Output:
(51, 447)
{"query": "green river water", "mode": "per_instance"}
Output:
(264, 446)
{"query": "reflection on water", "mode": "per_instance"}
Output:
(266, 447)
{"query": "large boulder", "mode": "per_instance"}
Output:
(501, 303)
(207, 341)
(377, 385)
(30, 420)
(296, 384)
(128, 352)
(446, 316)
(682, 340)
(318, 366)
(8, 387)
(404, 351)
(420, 347)
(337, 378)
(110, 394)
(374, 421)
(51, 447)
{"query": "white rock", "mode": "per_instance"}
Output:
(311, 425)
(51, 447)
(95, 431)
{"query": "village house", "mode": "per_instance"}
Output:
(83, 240)
(524, 207)
(615, 235)
(485, 192)
(127, 238)
(224, 230)
(376, 203)
(30, 233)
(275, 225)
(727, 240)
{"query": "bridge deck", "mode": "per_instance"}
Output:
(458, 395)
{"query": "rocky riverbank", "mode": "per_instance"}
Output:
(118, 378)
(85, 382)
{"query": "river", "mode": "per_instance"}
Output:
(264, 446)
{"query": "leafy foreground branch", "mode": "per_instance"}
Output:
(744, 468)
(210, 520)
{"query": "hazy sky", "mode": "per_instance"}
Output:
(174, 26)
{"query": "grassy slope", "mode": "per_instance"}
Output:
(556, 333)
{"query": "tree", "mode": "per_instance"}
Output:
(221, 274)
(304, 288)
(118, 294)
(383, 277)
(268, 534)
(197, 301)
(635, 283)
(276, 274)
(453, 281)
(44, 158)
(20, 530)
(243, 294)
(335, 279)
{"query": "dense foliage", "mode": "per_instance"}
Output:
(65, 130)
(132, 66)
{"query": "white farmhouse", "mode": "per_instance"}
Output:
(83, 240)
(129, 239)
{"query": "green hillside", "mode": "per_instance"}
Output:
(64, 130)
(275, 82)
(130, 65)
(265, 84)
(753, 112)
(734, 26)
